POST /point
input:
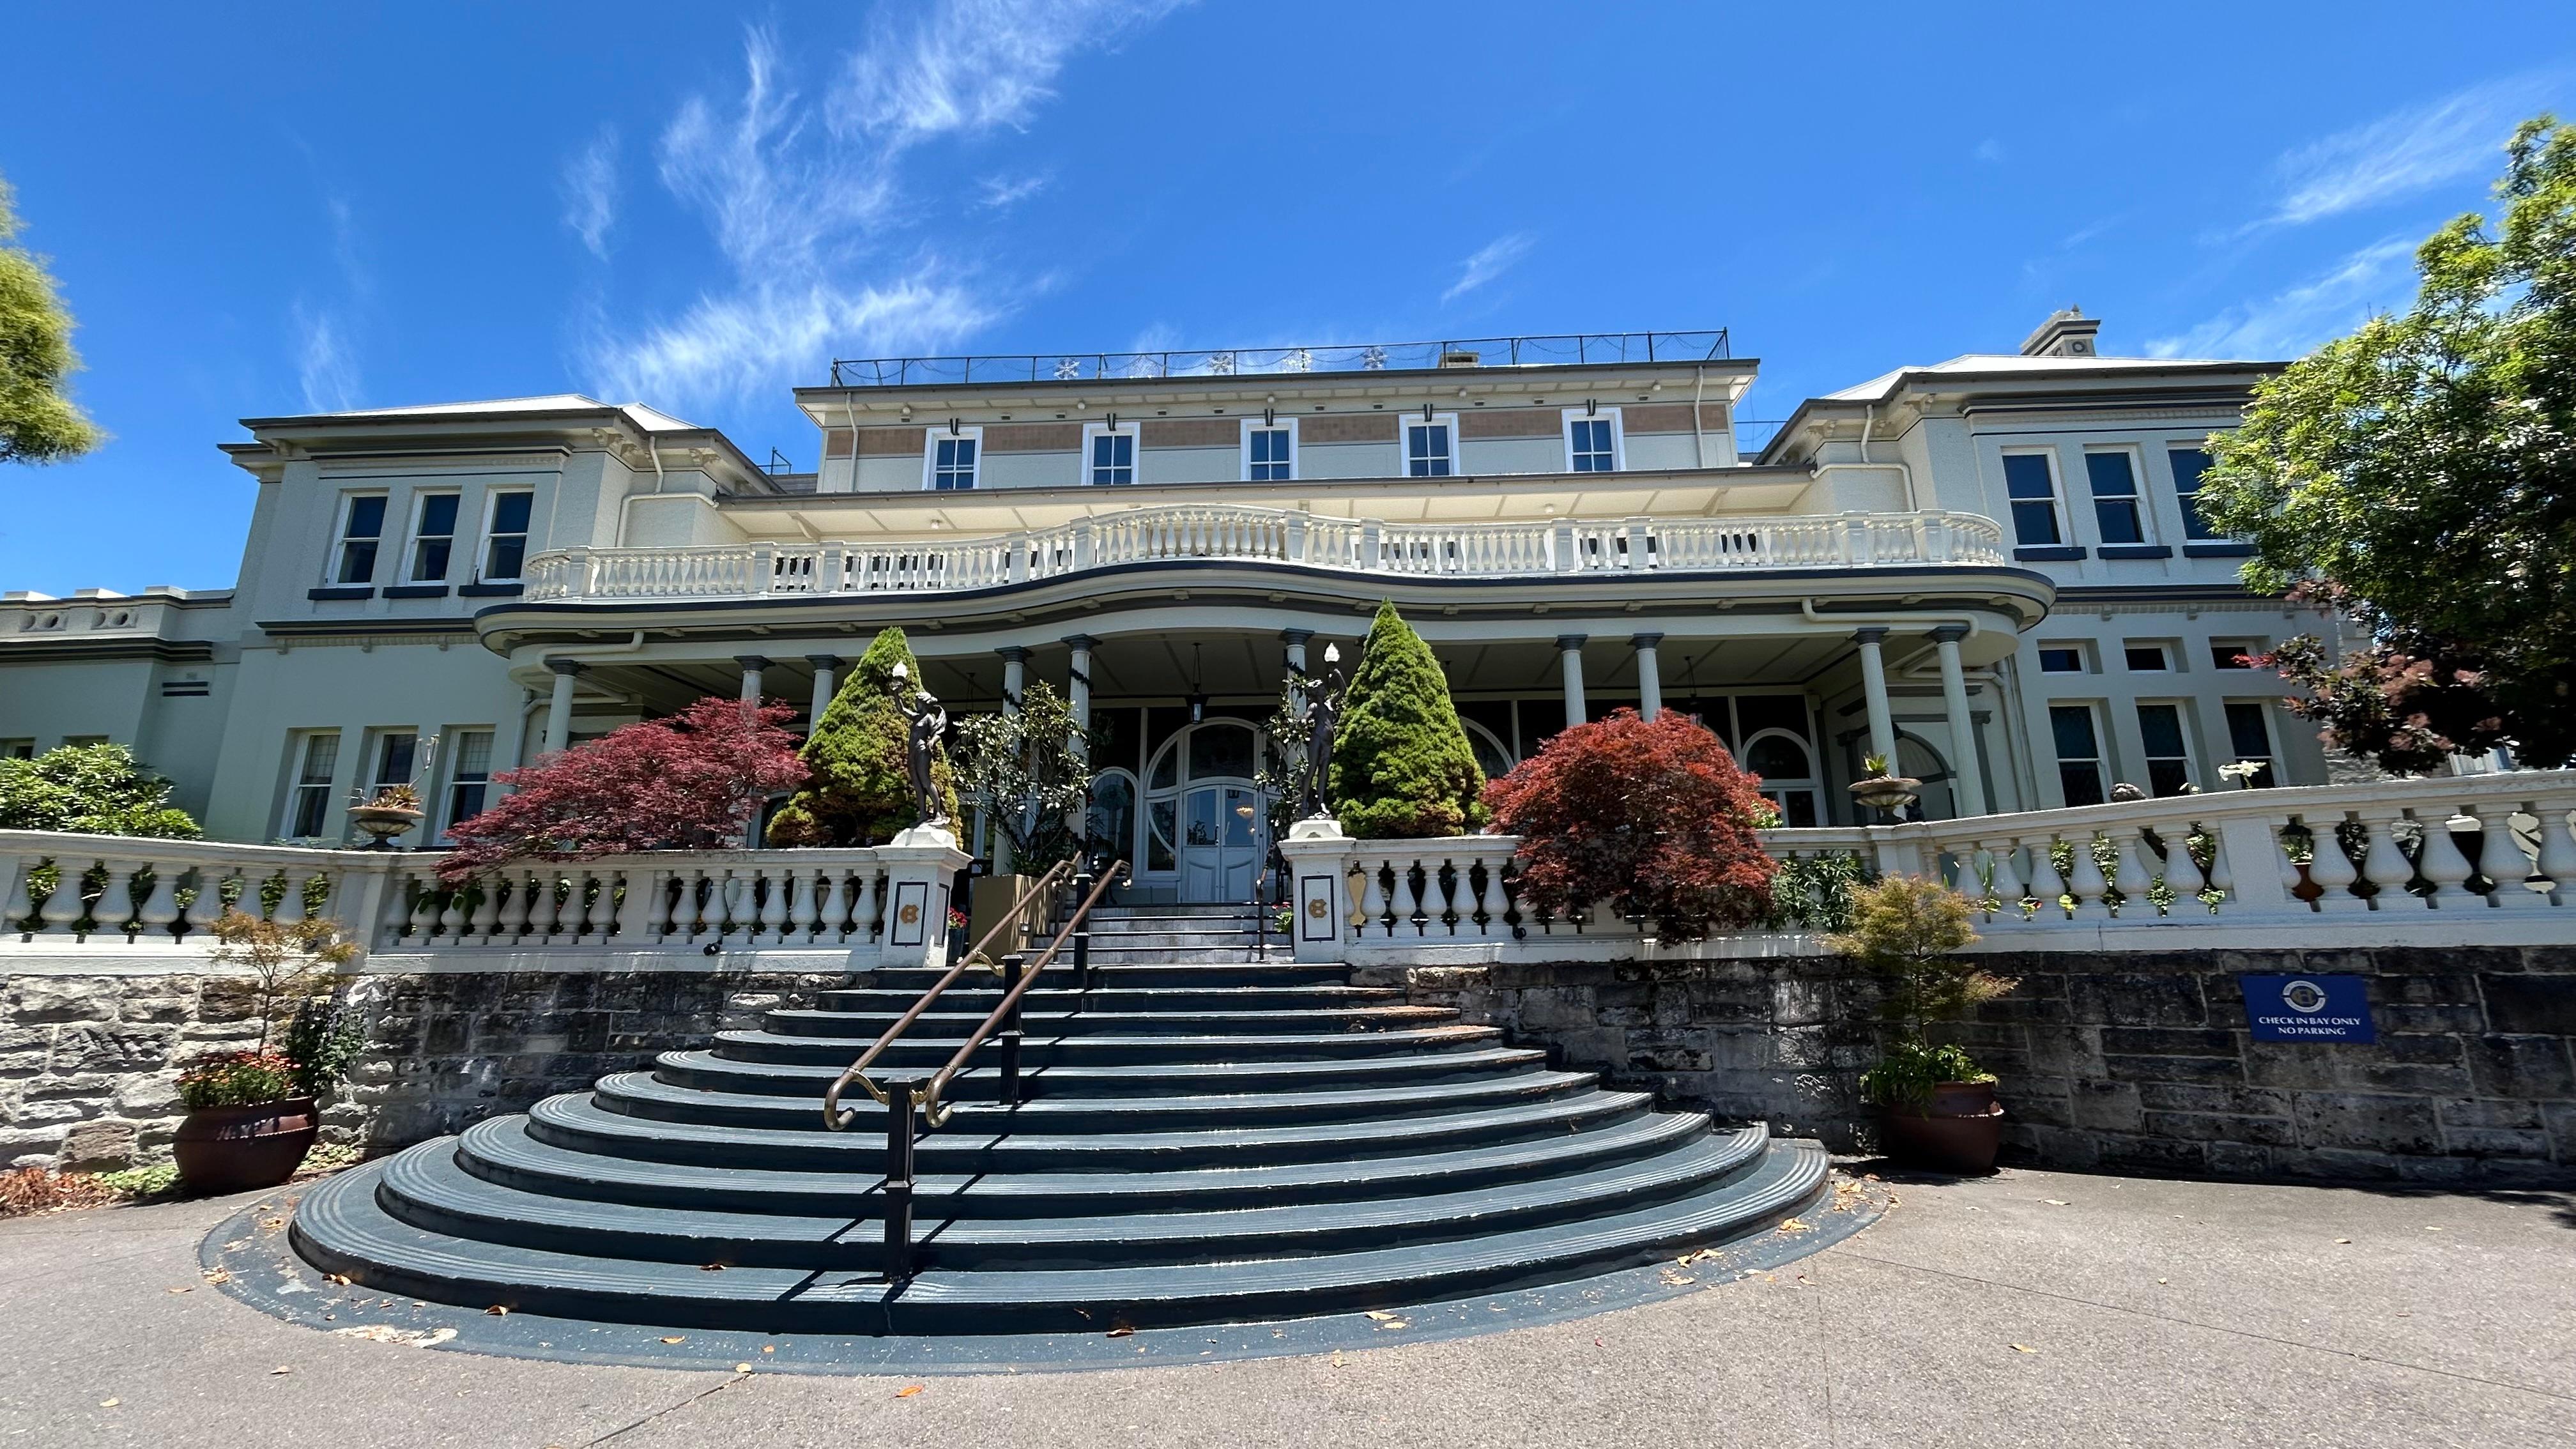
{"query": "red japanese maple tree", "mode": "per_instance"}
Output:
(689, 782)
(1651, 819)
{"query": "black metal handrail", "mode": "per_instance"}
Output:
(838, 1120)
(903, 1096)
(1577, 348)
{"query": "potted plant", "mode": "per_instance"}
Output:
(393, 811)
(1936, 1106)
(251, 1114)
(1883, 789)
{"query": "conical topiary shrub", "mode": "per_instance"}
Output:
(861, 793)
(1401, 765)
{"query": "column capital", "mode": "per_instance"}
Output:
(824, 661)
(567, 667)
(1295, 636)
(1571, 641)
(1644, 641)
(752, 661)
(1079, 641)
(1015, 653)
(1949, 633)
(1870, 635)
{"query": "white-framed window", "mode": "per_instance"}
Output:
(2167, 746)
(433, 536)
(17, 749)
(469, 777)
(2030, 484)
(2077, 734)
(1789, 780)
(2069, 657)
(505, 534)
(949, 460)
(1108, 454)
(2233, 653)
(361, 534)
(314, 756)
(2249, 739)
(1269, 450)
(2146, 658)
(1592, 441)
(2188, 464)
(2112, 474)
(396, 755)
(1430, 445)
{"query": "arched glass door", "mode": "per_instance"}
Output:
(1206, 821)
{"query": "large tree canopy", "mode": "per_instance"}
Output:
(2420, 476)
(38, 423)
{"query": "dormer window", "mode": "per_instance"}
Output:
(1427, 447)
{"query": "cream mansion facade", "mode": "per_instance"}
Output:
(1988, 568)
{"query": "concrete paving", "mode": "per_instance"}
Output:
(2027, 1308)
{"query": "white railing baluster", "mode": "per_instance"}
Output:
(2442, 865)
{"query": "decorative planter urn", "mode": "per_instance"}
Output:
(384, 822)
(1890, 793)
(1957, 1130)
(243, 1149)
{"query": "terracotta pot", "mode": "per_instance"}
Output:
(241, 1149)
(1958, 1130)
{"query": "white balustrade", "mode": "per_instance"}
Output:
(1232, 533)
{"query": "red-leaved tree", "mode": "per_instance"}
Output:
(1650, 819)
(689, 782)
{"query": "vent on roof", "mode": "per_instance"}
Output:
(1462, 357)
(2064, 334)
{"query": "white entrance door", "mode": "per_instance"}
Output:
(1220, 842)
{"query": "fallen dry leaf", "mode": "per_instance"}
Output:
(1797, 1225)
(711, 1267)
(2343, 1240)
(1393, 1323)
(2054, 1201)
(109, 1403)
(191, 1288)
(1373, 1313)
(677, 1338)
(219, 1275)
(284, 1368)
(1337, 1358)
(340, 1278)
(1679, 1280)
(769, 1348)
(2024, 1348)
(408, 1337)
(1121, 1331)
(498, 1310)
(907, 1391)
(2432, 1230)
(742, 1368)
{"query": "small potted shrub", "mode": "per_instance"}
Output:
(251, 1114)
(1884, 789)
(393, 811)
(1936, 1106)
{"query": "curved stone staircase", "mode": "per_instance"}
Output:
(1207, 1136)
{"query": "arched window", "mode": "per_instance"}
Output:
(1205, 821)
(1789, 779)
(1491, 757)
(1112, 820)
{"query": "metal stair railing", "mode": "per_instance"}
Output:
(839, 1120)
(1018, 975)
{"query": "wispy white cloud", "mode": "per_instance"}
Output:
(1989, 150)
(805, 199)
(324, 363)
(2373, 279)
(2408, 151)
(1492, 260)
(1004, 192)
(590, 192)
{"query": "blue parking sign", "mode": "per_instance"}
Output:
(2308, 1008)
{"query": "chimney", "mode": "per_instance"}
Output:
(2064, 334)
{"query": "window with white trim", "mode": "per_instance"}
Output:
(2064, 659)
(951, 459)
(2113, 477)
(2166, 746)
(1109, 455)
(2249, 739)
(2078, 737)
(469, 778)
(1430, 446)
(17, 749)
(2188, 464)
(316, 756)
(1592, 440)
(1269, 450)
(396, 750)
(2030, 481)
(505, 535)
(433, 537)
(362, 532)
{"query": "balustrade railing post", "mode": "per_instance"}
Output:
(898, 1180)
(1013, 964)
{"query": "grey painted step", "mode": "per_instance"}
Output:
(577, 1121)
(700, 1068)
(954, 1026)
(643, 1094)
(981, 999)
(431, 1190)
(1138, 977)
(341, 1227)
(1041, 1052)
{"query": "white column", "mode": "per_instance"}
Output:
(826, 674)
(1015, 676)
(752, 665)
(1569, 649)
(1970, 777)
(1295, 641)
(1077, 679)
(559, 709)
(1650, 678)
(1873, 685)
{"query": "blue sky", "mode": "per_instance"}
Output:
(355, 206)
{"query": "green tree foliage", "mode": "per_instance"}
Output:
(2420, 475)
(1034, 757)
(38, 423)
(861, 791)
(1908, 931)
(1401, 766)
(91, 789)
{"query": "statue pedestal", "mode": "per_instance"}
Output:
(1318, 857)
(919, 865)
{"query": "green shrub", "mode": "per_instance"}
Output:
(861, 793)
(1401, 765)
(238, 1079)
(92, 790)
(1908, 1071)
(1908, 931)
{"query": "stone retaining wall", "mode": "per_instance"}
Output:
(2136, 1062)
(89, 1064)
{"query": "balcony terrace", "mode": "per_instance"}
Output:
(1576, 349)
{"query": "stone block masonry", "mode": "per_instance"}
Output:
(89, 1064)
(2130, 1062)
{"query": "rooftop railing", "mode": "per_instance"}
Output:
(1230, 533)
(1573, 348)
